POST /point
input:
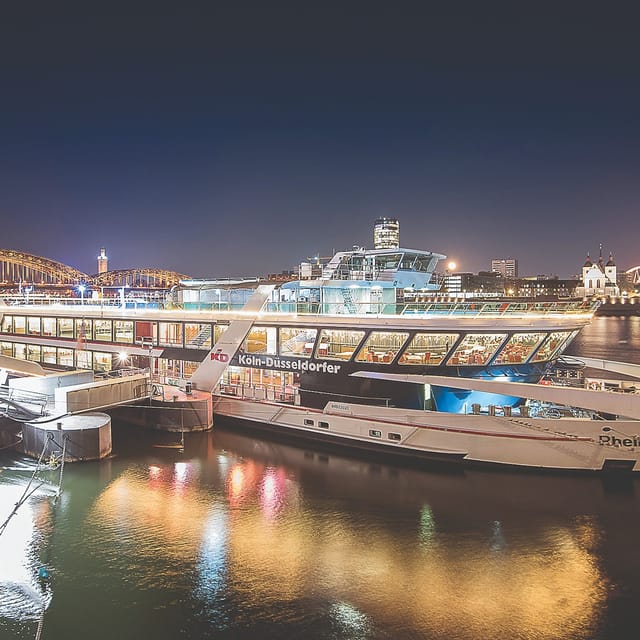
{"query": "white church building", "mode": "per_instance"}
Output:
(598, 279)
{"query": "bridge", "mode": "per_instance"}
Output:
(18, 267)
(634, 272)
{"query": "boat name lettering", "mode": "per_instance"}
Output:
(246, 360)
(612, 441)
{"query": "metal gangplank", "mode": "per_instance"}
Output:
(208, 374)
(21, 405)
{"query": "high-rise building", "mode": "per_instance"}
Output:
(506, 267)
(103, 261)
(386, 233)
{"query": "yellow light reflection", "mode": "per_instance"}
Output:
(544, 582)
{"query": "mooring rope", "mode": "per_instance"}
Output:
(43, 572)
(26, 494)
(40, 624)
(65, 437)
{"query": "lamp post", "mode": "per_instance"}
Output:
(81, 289)
(148, 342)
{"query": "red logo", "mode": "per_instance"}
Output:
(219, 356)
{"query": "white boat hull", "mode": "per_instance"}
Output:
(566, 444)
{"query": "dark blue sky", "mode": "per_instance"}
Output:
(225, 139)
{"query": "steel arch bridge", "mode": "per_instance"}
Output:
(635, 273)
(19, 267)
(151, 278)
(16, 266)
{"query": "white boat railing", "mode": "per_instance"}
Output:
(454, 308)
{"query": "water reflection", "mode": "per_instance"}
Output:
(614, 338)
(22, 595)
(270, 533)
(241, 533)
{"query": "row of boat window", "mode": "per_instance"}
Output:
(382, 347)
(373, 433)
(408, 348)
(63, 356)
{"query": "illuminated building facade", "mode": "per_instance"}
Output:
(386, 233)
(506, 267)
(103, 261)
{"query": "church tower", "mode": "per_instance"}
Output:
(611, 271)
(586, 267)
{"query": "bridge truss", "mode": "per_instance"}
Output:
(17, 267)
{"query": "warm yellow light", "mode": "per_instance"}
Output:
(451, 266)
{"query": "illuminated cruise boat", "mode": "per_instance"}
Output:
(361, 354)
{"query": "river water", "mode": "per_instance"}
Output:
(244, 537)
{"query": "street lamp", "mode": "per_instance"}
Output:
(81, 289)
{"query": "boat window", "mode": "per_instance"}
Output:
(146, 333)
(390, 261)
(49, 354)
(519, 347)
(103, 330)
(476, 348)
(123, 331)
(407, 261)
(394, 436)
(197, 336)
(48, 326)
(374, 433)
(308, 422)
(33, 326)
(7, 324)
(260, 340)
(84, 359)
(428, 348)
(20, 351)
(422, 264)
(19, 325)
(337, 344)
(65, 357)
(169, 334)
(65, 328)
(553, 345)
(324, 425)
(83, 329)
(297, 341)
(6, 349)
(102, 361)
(34, 352)
(382, 346)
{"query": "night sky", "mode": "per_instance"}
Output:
(239, 138)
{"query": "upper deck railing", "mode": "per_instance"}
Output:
(457, 308)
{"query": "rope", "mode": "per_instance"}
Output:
(65, 437)
(26, 494)
(40, 624)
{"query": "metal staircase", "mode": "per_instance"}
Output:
(349, 304)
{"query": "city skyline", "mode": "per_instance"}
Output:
(238, 141)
